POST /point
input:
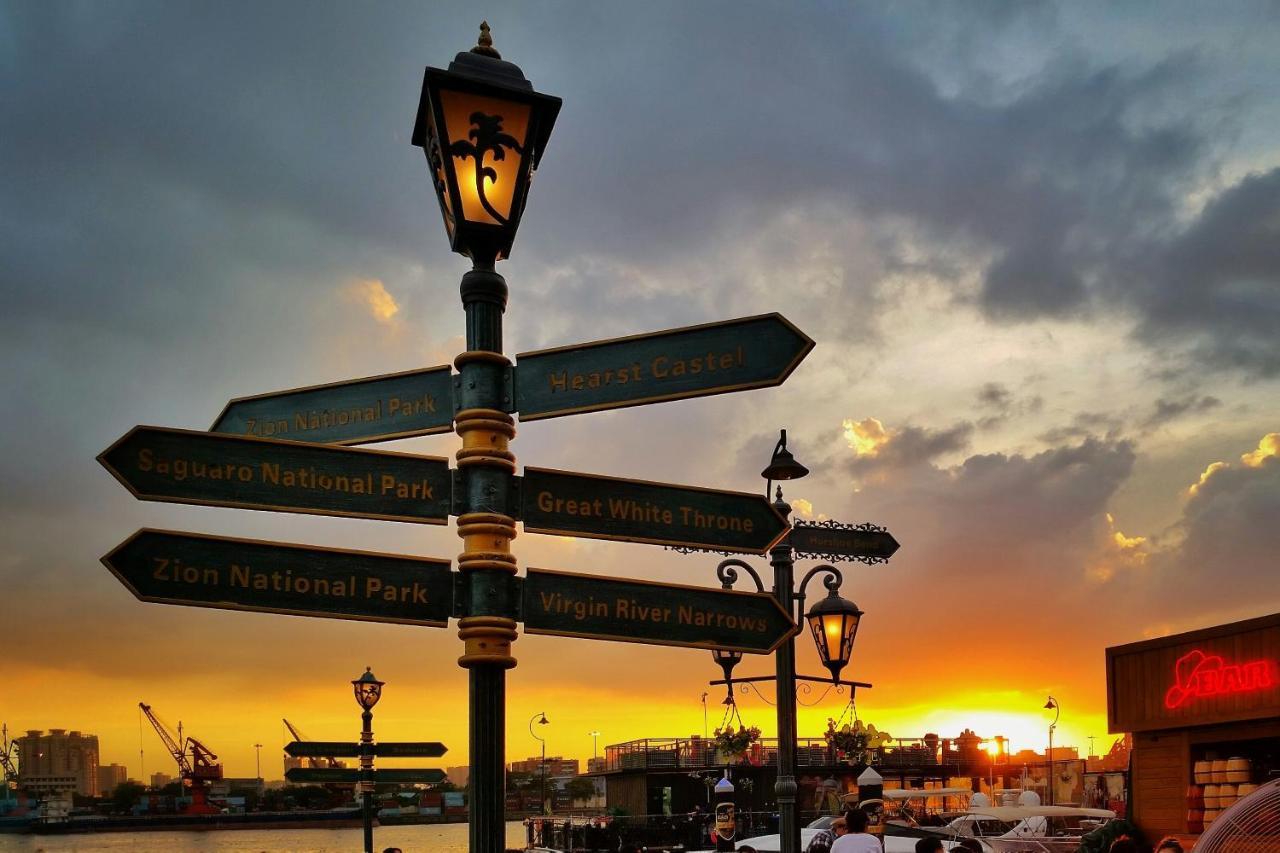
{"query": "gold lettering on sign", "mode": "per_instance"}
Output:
(658, 368)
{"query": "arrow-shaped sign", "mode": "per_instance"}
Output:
(376, 408)
(573, 605)
(595, 507)
(385, 749)
(272, 577)
(347, 776)
(695, 361)
(184, 466)
(867, 543)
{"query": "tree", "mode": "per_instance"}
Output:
(489, 138)
(125, 795)
(581, 788)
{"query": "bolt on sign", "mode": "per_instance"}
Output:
(376, 408)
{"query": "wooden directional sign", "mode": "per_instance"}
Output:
(272, 577)
(348, 776)
(595, 507)
(860, 542)
(385, 749)
(184, 466)
(376, 408)
(573, 605)
(695, 361)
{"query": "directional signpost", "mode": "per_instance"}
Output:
(343, 749)
(588, 505)
(376, 408)
(574, 605)
(183, 466)
(272, 577)
(349, 776)
(833, 541)
(696, 361)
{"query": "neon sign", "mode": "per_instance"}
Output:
(1198, 675)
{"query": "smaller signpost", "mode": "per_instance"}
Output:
(695, 361)
(376, 408)
(833, 541)
(344, 749)
(349, 776)
(185, 466)
(596, 507)
(574, 605)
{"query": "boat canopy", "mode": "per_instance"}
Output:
(1017, 813)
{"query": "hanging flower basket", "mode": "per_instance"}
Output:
(732, 744)
(856, 742)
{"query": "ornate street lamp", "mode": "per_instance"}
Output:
(783, 466)
(834, 622)
(368, 689)
(727, 660)
(483, 129)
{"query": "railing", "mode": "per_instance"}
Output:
(696, 752)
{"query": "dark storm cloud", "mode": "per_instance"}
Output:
(995, 395)
(1083, 425)
(1166, 410)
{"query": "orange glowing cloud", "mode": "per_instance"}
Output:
(1268, 447)
(373, 295)
(865, 437)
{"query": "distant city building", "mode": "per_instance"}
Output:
(109, 776)
(59, 761)
(159, 780)
(555, 766)
(460, 775)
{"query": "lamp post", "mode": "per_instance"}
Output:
(257, 759)
(1052, 705)
(368, 690)
(833, 622)
(541, 717)
(483, 129)
(595, 752)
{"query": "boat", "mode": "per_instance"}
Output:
(1034, 829)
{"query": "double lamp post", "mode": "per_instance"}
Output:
(833, 622)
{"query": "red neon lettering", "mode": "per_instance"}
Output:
(1198, 675)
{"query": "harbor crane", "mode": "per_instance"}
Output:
(197, 765)
(326, 762)
(8, 760)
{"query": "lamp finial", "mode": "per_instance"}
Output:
(484, 46)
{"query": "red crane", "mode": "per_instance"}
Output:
(197, 765)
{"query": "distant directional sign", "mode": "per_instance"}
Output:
(386, 749)
(348, 776)
(272, 577)
(867, 543)
(595, 507)
(409, 749)
(695, 361)
(376, 408)
(574, 605)
(184, 466)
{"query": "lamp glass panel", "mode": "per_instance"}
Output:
(436, 159)
(487, 139)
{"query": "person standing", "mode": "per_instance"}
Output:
(857, 840)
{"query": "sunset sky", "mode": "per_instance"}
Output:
(1037, 244)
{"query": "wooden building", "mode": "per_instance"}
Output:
(1191, 700)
